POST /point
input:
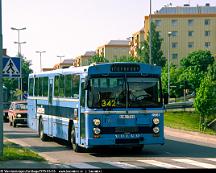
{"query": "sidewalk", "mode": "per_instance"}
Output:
(180, 135)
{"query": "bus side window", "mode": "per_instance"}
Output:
(75, 86)
(82, 99)
(50, 90)
(45, 86)
(31, 86)
(61, 86)
(36, 90)
(56, 86)
(68, 85)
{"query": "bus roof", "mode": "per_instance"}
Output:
(104, 68)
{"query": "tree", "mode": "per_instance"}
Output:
(97, 58)
(176, 87)
(195, 66)
(206, 96)
(126, 59)
(12, 83)
(156, 52)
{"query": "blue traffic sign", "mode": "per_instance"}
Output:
(11, 66)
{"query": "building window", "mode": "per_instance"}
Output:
(190, 22)
(174, 22)
(174, 45)
(174, 33)
(190, 44)
(207, 45)
(158, 23)
(207, 33)
(207, 21)
(174, 56)
(190, 33)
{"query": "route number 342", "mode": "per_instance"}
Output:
(108, 103)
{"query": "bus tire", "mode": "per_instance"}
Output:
(42, 135)
(75, 146)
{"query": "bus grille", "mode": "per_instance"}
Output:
(122, 130)
(128, 141)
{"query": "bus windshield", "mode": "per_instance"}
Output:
(121, 92)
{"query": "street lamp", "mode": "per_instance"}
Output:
(169, 35)
(19, 55)
(19, 45)
(150, 36)
(40, 52)
(60, 57)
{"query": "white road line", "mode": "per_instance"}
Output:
(83, 166)
(212, 159)
(195, 163)
(123, 165)
(159, 164)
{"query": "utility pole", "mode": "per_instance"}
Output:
(19, 55)
(60, 58)
(1, 86)
(150, 35)
(40, 52)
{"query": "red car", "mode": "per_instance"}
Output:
(17, 113)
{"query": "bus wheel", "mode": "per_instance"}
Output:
(138, 148)
(42, 135)
(75, 146)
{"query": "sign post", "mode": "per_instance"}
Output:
(1, 86)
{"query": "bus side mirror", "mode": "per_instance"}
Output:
(165, 98)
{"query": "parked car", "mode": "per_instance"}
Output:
(17, 113)
(6, 106)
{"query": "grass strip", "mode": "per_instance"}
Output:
(12, 151)
(185, 121)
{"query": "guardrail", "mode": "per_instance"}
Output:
(176, 105)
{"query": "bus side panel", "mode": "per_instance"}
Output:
(32, 114)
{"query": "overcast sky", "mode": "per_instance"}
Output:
(72, 27)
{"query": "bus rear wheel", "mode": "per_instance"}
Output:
(75, 146)
(42, 135)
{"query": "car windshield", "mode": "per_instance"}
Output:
(123, 92)
(21, 106)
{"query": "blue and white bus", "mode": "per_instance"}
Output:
(112, 104)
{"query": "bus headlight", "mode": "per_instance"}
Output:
(96, 131)
(156, 121)
(96, 122)
(19, 115)
(156, 129)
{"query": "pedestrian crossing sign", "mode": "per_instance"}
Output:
(11, 66)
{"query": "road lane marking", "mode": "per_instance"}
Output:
(211, 159)
(159, 164)
(123, 165)
(83, 166)
(195, 163)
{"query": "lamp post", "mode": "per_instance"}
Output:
(40, 52)
(1, 86)
(169, 35)
(19, 55)
(150, 36)
(60, 57)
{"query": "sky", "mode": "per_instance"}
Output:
(69, 28)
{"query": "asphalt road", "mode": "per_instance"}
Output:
(176, 153)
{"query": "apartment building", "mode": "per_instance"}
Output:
(192, 28)
(114, 49)
(83, 60)
(64, 64)
(135, 42)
